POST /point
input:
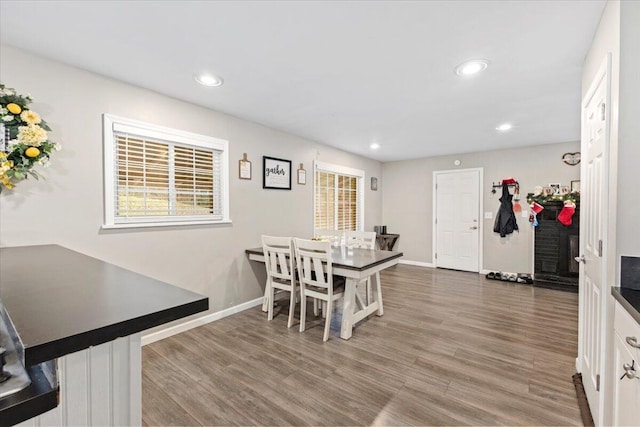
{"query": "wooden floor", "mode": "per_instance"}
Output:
(451, 349)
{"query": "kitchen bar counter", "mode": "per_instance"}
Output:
(86, 314)
(628, 294)
(61, 301)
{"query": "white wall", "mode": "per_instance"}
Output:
(67, 208)
(628, 233)
(408, 199)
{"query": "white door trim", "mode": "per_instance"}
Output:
(480, 171)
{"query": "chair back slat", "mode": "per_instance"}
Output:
(318, 268)
(360, 239)
(305, 271)
(283, 263)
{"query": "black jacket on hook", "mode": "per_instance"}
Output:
(506, 219)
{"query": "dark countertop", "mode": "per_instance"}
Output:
(61, 301)
(351, 258)
(629, 299)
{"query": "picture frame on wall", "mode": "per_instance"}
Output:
(302, 175)
(244, 167)
(276, 173)
(556, 188)
(374, 183)
(575, 186)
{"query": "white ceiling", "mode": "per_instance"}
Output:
(341, 73)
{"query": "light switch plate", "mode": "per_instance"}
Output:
(525, 213)
(488, 215)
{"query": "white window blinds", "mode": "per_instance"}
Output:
(338, 198)
(157, 178)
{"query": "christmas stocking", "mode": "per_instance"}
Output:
(566, 213)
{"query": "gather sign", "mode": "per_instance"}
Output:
(276, 173)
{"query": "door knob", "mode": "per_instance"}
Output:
(629, 371)
(581, 259)
(632, 341)
(473, 228)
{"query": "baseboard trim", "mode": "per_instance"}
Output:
(173, 330)
(416, 263)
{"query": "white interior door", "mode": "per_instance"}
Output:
(457, 219)
(593, 294)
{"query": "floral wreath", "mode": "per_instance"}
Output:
(24, 142)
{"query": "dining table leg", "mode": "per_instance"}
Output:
(377, 293)
(346, 328)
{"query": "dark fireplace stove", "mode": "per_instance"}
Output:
(555, 248)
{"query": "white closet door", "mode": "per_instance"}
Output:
(457, 226)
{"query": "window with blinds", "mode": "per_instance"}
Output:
(338, 198)
(157, 175)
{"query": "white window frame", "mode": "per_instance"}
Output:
(110, 122)
(342, 170)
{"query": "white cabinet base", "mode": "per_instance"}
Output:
(626, 391)
(99, 386)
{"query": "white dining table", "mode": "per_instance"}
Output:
(354, 265)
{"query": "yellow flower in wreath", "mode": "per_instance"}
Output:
(32, 135)
(14, 108)
(32, 152)
(30, 117)
(6, 181)
(5, 166)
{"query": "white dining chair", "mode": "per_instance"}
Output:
(360, 239)
(365, 240)
(336, 237)
(279, 261)
(315, 274)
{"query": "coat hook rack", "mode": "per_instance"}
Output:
(509, 181)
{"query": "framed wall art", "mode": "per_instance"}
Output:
(302, 175)
(575, 186)
(556, 188)
(244, 167)
(276, 173)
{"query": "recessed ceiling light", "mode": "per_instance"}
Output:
(208, 79)
(374, 146)
(472, 67)
(504, 127)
